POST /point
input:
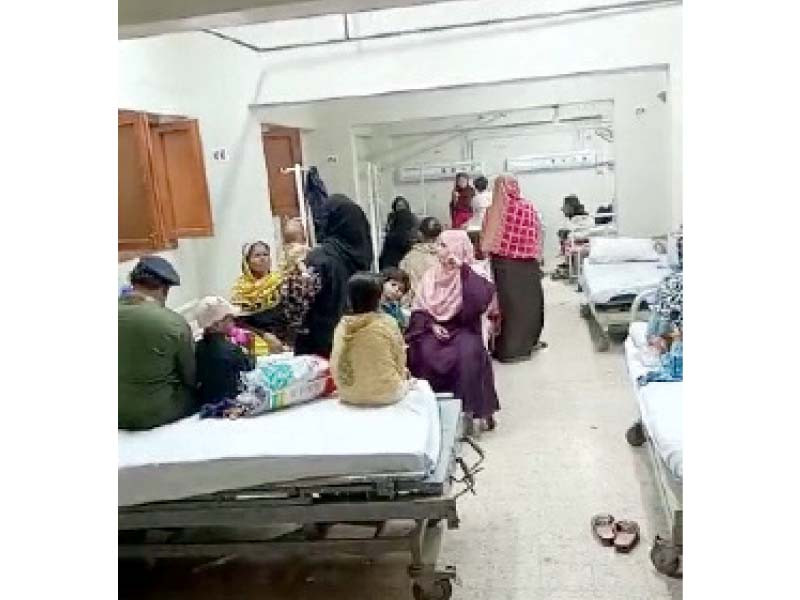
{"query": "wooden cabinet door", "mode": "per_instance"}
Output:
(282, 150)
(181, 176)
(138, 216)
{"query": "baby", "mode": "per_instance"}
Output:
(295, 245)
(300, 283)
(396, 285)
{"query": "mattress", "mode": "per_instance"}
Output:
(606, 282)
(661, 409)
(324, 438)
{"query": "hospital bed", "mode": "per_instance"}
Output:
(660, 427)
(277, 484)
(610, 290)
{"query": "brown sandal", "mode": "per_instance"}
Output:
(627, 535)
(603, 528)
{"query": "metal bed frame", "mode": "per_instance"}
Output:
(615, 316)
(666, 554)
(314, 506)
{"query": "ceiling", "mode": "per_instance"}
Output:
(140, 18)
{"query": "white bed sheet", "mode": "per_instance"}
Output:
(661, 409)
(603, 282)
(324, 438)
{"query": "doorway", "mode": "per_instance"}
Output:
(282, 149)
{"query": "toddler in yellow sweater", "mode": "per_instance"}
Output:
(368, 361)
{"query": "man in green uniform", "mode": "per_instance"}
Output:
(156, 351)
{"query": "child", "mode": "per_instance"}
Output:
(396, 284)
(368, 360)
(300, 283)
(295, 245)
(220, 362)
(480, 204)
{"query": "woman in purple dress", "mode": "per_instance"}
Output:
(445, 342)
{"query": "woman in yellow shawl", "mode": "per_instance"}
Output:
(257, 292)
(258, 288)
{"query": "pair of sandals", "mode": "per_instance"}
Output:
(623, 535)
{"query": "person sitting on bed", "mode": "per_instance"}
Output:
(220, 362)
(368, 360)
(666, 314)
(445, 333)
(396, 285)
(156, 369)
(257, 290)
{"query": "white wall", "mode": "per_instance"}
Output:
(642, 142)
(488, 54)
(211, 80)
(616, 52)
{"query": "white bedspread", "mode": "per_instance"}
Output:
(661, 408)
(322, 439)
(603, 282)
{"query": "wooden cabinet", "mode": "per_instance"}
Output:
(162, 185)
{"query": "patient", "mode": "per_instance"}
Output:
(220, 362)
(368, 360)
(666, 314)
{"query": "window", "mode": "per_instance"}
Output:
(162, 187)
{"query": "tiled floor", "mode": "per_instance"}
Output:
(559, 455)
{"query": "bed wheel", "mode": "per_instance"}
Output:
(666, 558)
(586, 312)
(441, 589)
(635, 434)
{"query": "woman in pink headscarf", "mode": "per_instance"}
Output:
(445, 341)
(511, 236)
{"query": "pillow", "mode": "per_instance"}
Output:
(619, 250)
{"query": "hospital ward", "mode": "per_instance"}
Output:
(400, 300)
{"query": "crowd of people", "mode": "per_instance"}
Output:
(445, 301)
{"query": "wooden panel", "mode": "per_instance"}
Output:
(164, 205)
(137, 218)
(182, 169)
(282, 150)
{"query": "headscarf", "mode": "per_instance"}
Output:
(461, 208)
(399, 237)
(256, 294)
(316, 194)
(512, 227)
(399, 204)
(440, 293)
(346, 233)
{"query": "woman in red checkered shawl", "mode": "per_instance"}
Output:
(511, 236)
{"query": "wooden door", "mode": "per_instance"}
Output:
(181, 177)
(138, 216)
(282, 150)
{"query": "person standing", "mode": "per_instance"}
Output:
(345, 248)
(401, 228)
(156, 369)
(461, 209)
(511, 237)
(480, 204)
